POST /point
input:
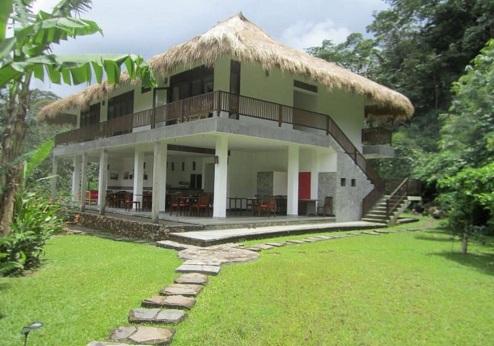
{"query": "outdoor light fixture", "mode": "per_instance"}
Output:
(29, 328)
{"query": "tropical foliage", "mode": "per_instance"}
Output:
(26, 41)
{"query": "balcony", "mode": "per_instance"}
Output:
(376, 143)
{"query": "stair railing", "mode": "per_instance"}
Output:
(396, 198)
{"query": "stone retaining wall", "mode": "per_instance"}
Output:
(123, 227)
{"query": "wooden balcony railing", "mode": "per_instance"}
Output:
(376, 135)
(212, 104)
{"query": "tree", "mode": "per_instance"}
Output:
(467, 131)
(470, 196)
(358, 54)
(25, 54)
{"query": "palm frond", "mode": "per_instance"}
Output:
(68, 7)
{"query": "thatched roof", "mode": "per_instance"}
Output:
(244, 41)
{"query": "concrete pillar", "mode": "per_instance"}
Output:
(162, 188)
(292, 180)
(220, 177)
(76, 179)
(314, 175)
(102, 180)
(138, 176)
(82, 195)
(53, 182)
(157, 180)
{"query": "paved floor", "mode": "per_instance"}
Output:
(211, 237)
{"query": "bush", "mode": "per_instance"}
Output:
(35, 220)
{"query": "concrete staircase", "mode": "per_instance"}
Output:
(378, 213)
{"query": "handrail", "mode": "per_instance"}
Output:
(396, 197)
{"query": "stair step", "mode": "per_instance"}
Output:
(143, 335)
(171, 302)
(145, 315)
(374, 220)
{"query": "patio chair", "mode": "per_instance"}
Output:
(327, 208)
(202, 203)
(268, 205)
(174, 204)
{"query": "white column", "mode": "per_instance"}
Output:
(102, 180)
(138, 175)
(76, 179)
(220, 177)
(157, 181)
(54, 178)
(314, 174)
(162, 188)
(82, 195)
(292, 180)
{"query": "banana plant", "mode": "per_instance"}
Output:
(26, 52)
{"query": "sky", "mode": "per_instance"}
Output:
(149, 27)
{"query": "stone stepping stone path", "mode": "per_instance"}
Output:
(175, 299)
(173, 302)
(192, 278)
(199, 268)
(143, 335)
(142, 315)
(187, 290)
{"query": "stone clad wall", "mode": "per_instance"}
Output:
(121, 227)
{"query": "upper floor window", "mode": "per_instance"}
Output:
(90, 116)
(305, 86)
(191, 83)
(121, 105)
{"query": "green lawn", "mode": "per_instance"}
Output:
(85, 288)
(404, 288)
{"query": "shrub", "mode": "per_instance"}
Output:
(35, 220)
(469, 199)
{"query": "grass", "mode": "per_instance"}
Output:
(404, 288)
(85, 288)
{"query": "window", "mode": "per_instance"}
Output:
(173, 166)
(235, 77)
(90, 116)
(193, 165)
(305, 86)
(353, 182)
(343, 182)
(121, 105)
(183, 166)
(191, 83)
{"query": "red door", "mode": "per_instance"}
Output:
(304, 185)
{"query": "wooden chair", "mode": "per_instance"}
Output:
(202, 203)
(268, 205)
(174, 204)
(327, 208)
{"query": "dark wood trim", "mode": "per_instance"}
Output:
(188, 149)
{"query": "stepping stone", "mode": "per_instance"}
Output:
(140, 315)
(370, 233)
(203, 262)
(144, 335)
(192, 278)
(324, 237)
(295, 241)
(256, 249)
(106, 343)
(275, 244)
(152, 336)
(263, 246)
(122, 333)
(168, 244)
(309, 240)
(182, 290)
(196, 268)
(174, 302)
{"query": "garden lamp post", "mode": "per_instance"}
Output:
(29, 328)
